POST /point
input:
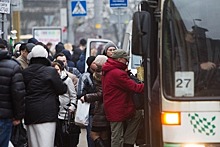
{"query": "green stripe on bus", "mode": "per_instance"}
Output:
(171, 145)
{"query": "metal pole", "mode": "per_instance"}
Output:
(10, 17)
(98, 17)
(70, 32)
(2, 33)
(119, 28)
(16, 24)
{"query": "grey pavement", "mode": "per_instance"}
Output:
(82, 138)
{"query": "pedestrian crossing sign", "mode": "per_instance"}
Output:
(79, 8)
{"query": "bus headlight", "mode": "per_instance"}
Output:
(171, 118)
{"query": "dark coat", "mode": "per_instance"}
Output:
(12, 88)
(99, 118)
(76, 54)
(43, 86)
(80, 64)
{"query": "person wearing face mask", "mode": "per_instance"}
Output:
(67, 107)
(119, 107)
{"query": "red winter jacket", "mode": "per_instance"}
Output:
(117, 87)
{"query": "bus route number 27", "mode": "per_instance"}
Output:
(184, 84)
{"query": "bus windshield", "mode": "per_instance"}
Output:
(191, 48)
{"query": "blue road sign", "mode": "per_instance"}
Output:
(118, 3)
(78, 8)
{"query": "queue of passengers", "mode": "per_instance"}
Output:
(43, 88)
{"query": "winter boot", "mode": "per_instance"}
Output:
(99, 142)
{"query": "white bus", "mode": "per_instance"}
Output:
(181, 39)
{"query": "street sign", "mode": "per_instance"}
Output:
(118, 3)
(78, 8)
(17, 5)
(5, 6)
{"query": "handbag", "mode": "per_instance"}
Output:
(66, 129)
(19, 136)
(68, 125)
(82, 113)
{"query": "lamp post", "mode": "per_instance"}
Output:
(98, 17)
(70, 31)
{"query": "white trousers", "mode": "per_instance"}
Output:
(10, 144)
(41, 135)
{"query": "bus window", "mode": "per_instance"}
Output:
(191, 51)
(95, 47)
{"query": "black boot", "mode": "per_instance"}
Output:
(128, 145)
(99, 142)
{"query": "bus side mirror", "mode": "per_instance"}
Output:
(141, 32)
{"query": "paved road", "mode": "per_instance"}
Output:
(82, 139)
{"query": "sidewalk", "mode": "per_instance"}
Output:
(82, 138)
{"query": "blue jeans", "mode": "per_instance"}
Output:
(90, 142)
(5, 132)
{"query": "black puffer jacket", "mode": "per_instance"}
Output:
(12, 88)
(43, 85)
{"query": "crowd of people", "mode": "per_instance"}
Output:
(42, 87)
